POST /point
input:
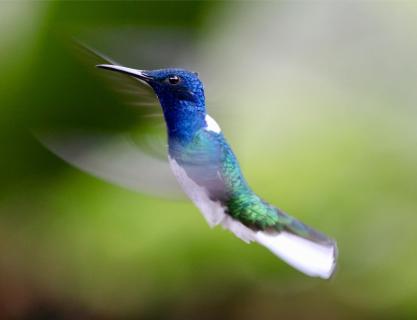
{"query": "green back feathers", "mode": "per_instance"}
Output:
(259, 215)
(211, 163)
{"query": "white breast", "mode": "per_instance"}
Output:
(211, 210)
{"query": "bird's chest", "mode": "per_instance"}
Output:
(212, 210)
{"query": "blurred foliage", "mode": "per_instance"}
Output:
(323, 123)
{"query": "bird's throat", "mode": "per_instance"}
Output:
(183, 121)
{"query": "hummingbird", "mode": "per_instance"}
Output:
(208, 171)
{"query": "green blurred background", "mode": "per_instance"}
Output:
(319, 103)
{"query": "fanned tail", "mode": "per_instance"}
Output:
(302, 247)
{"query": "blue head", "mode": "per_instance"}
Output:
(181, 94)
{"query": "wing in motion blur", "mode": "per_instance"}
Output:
(114, 158)
(135, 157)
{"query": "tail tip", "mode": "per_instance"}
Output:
(311, 258)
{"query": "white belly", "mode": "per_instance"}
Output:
(213, 211)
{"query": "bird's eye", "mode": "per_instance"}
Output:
(173, 79)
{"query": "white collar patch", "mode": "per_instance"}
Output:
(212, 124)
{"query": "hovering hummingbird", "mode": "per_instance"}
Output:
(209, 173)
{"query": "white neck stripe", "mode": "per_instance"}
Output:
(212, 124)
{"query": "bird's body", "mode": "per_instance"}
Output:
(210, 175)
(208, 171)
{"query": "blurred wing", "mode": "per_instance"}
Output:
(130, 153)
(114, 158)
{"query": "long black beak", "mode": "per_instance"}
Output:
(132, 72)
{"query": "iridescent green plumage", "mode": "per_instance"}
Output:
(210, 162)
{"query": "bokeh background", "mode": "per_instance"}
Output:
(319, 103)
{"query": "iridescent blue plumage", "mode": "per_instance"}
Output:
(209, 173)
(182, 103)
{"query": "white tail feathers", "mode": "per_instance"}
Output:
(311, 258)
